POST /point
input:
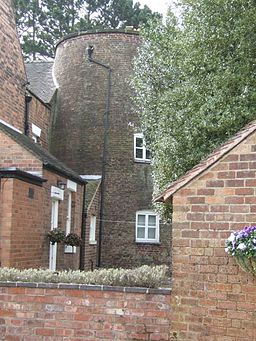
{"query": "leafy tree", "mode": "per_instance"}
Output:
(60, 17)
(41, 23)
(195, 82)
(29, 19)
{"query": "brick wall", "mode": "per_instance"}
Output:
(39, 114)
(213, 299)
(25, 218)
(14, 155)
(78, 137)
(58, 313)
(12, 70)
(91, 250)
(6, 186)
(64, 260)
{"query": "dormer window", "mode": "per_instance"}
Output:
(141, 153)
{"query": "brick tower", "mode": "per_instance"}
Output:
(96, 132)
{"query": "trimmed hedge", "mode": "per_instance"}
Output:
(144, 276)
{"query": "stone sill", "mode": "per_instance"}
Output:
(159, 291)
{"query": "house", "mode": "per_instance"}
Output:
(73, 117)
(37, 191)
(214, 198)
(95, 131)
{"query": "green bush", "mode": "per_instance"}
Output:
(144, 276)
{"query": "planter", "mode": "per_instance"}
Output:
(247, 264)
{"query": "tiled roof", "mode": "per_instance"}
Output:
(208, 162)
(47, 158)
(41, 79)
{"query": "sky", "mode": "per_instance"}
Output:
(156, 5)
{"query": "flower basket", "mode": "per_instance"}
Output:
(73, 239)
(55, 236)
(242, 245)
(247, 264)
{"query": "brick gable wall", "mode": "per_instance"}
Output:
(213, 299)
(14, 155)
(40, 115)
(12, 70)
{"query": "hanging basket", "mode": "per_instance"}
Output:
(55, 235)
(247, 264)
(73, 239)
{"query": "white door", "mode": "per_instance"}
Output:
(54, 224)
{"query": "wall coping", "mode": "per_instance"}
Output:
(87, 287)
(96, 32)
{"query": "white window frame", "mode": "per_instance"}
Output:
(71, 187)
(68, 221)
(54, 225)
(143, 148)
(92, 234)
(146, 239)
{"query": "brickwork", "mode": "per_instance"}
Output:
(91, 249)
(40, 115)
(6, 196)
(12, 70)
(25, 217)
(77, 139)
(14, 155)
(64, 260)
(213, 299)
(38, 314)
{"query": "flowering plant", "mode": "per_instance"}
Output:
(55, 235)
(242, 245)
(73, 239)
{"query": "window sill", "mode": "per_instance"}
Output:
(93, 242)
(147, 242)
(142, 161)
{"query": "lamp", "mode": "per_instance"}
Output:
(61, 184)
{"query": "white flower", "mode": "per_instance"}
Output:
(241, 246)
(226, 249)
(232, 237)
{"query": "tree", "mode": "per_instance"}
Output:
(195, 82)
(41, 23)
(29, 19)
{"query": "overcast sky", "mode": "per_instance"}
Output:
(156, 5)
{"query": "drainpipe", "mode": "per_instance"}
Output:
(104, 151)
(28, 99)
(83, 232)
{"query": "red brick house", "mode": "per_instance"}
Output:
(212, 298)
(37, 191)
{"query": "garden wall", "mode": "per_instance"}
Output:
(35, 312)
(212, 298)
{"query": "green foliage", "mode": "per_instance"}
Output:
(144, 276)
(41, 23)
(55, 235)
(195, 82)
(73, 239)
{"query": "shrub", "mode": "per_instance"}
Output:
(144, 276)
